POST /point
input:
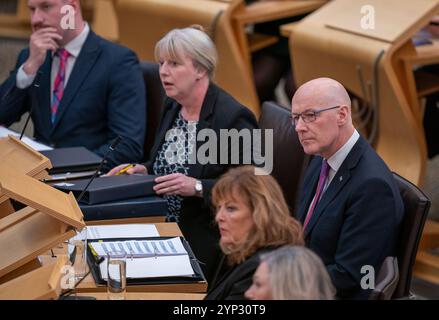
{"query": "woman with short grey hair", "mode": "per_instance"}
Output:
(194, 43)
(187, 59)
(291, 273)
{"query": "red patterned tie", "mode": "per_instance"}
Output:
(322, 179)
(58, 86)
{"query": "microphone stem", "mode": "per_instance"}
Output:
(112, 147)
(34, 102)
(25, 125)
(92, 178)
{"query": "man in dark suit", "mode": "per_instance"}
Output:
(84, 90)
(350, 205)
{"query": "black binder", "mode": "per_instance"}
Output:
(129, 208)
(197, 276)
(113, 188)
(73, 159)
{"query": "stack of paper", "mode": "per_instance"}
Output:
(169, 266)
(148, 258)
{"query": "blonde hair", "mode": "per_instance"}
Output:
(297, 273)
(192, 42)
(272, 223)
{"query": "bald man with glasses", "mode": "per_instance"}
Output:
(350, 205)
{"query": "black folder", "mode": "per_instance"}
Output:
(129, 208)
(113, 188)
(73, 159)
(197, 276)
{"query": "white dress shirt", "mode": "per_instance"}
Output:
(74, 47)
(337, 159)
(335, 162)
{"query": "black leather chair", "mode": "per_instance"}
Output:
(289, 160)
(386, 280)
(416, 205)
(155, 95)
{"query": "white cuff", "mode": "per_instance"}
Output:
(24, 80)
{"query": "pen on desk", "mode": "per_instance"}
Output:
(125, 169)
(97, 259)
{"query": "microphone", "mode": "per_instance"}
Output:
(34, 102)
(113, 145)
(99, 260)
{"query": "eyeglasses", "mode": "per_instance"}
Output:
(308, 116)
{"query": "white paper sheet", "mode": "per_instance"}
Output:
(136, 230)
(35, 145)
(169, 266)
(141, 248)
(4, 132)
(70, 175)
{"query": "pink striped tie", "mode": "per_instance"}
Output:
(322, 179)
(58, 86)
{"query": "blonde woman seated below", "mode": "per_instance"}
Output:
(253, 218)
(291, 273)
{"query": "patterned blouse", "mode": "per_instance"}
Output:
(172, 157)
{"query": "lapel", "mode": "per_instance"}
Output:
(171, 109)
(309, 187)
(44, 93)
(217, 288)
(338, 182)
(84, 63)
(204, 122)
(221, 288)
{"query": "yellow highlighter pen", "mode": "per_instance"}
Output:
(125, 169)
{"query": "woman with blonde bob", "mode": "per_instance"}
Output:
(253, 219)
(187, 60)
(291, 273)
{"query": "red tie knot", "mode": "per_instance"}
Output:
(63, 54)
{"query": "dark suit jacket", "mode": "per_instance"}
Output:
(237, 279)
(356, 222)
(219, 111)
(104, 98)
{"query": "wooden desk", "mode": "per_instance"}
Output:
(149, 296)
(287, 29)
(273, 10)
(167, 230)
(322, 46)
(258, 12)
(152, 219)
(419, 84)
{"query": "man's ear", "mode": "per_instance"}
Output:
(343, 114)
(76, 4)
